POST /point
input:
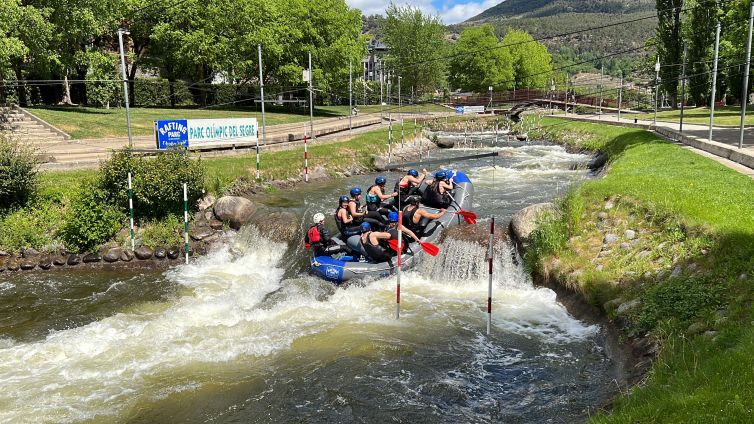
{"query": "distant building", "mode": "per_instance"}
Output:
(371, 64)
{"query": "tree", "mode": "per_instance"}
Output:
(416, 46)
(669, 45)
(699, 31)
(479, 61)
(532, 63)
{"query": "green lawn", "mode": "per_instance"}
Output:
(88, 122)
(728, 116)
(703, 214)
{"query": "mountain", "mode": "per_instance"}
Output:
(551, 18)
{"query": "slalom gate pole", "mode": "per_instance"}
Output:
(389, 138)
(400, 254)
(306, 159)
(403, 136)
(131, 211)
(257, 154)
(489, 288)
(185, 219)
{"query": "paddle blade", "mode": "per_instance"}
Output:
(393, 245)
(469, 217)
(430, 248)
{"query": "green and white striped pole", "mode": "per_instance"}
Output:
(389, 138)
(185, 219)
(131, 211)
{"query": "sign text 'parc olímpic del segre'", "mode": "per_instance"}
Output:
(205, 132)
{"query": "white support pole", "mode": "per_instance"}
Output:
(306, 158)
(121, 31)
(261, 94)
(311, 99)
(131, 211)
(683, 87)
(745, 92)
(714, 83)
(185, 220)
(602, 79)
(620, 94)
(489, 287)
(389, 138)
(350, 94)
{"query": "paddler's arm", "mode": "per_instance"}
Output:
(354, 212)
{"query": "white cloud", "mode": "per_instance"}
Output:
(450, 12)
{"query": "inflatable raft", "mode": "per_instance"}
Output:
(349, 267)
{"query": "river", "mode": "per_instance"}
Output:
(244, 334)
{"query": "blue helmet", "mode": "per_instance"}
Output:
(344, 199)
(365, 226)
(441, 175)
(355, 191)
(413, 172)
(392, 217)
(380, 181)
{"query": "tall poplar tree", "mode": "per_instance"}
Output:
(670, 45)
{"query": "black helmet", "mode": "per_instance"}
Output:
(412, 200)
(344, 199)
(380, 181)
(413, 172)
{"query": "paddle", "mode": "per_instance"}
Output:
(430, 248)
(469, 217)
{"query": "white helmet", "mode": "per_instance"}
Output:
(319, 217)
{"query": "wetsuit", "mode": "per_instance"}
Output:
(408, 220)
(375, 252)
(372, 217)
(375, 204)
(433, 198)
(320, 241)
(346, 230)
(404, 190)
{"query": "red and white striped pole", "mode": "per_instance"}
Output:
(306, 159)
(489, 288)
(398, 282)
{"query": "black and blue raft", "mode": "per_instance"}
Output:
(352, 266)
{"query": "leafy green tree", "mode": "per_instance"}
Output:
(102, 87)
(670, 45)
(479, 61)
(417, 46)
(733, 45)
(532, 63)
(699, 31)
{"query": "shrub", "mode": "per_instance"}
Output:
(35, 226)
(18, 173)
(164, 232)
(157, 181)
(90, 219)
(679, 299)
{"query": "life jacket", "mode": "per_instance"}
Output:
(359, 209)
(433, 197)
(402, 189)
(408, 219)
(372, 198)
(374, 251)
(312, 236)
(338, 221)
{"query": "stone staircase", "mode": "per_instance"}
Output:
(32, 131)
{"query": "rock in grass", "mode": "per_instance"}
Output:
(610, 238)
(143, 253)
(160, 253)
(629, 234)
(627, 306)
(201, 232)
(29, 253)
(92, 258)
(4, 253)
(677, 271)
(127, 256)
(609, 205)
(602, 216)
(73, 260)
(216, 224)
(234, 210)
(625, 246)
(173, 252)
(112, 255)
(525, 221)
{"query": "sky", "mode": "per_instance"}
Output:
(451, 11)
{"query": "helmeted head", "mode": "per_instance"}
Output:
(344, 199)
(365, 227)
(413, 172)
(318, 217)
(392, 217)
(356, 191)
(413, 200)
(441, 175)
(380, 181)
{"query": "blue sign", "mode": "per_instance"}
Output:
(459, 109)
(172, 133)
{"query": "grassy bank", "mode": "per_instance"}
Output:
(727, 116)
(38, 224)
(88, 122)
(664, 244)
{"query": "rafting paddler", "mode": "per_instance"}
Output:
(344, 220)
(413, 214)
(409, 184)
(318, 238)
(437, 194)
(370, 243)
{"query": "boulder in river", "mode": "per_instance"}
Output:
(127, 256)
(445, 143)
(143, 253)
(160, 253)
(12, 265)
(525, 221)
(173, 252)
(59, 260)
(279, 226)
(45, 262)
(112, 254)
(28, 264)
(234, 210)
(92, 258)
(73, 260)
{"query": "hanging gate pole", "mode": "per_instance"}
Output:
(131, 211)
(489, 288)
(185, 220)
(398, 280)
(306, 159)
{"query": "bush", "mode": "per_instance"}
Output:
(680, 300)
(35, 226)
(165, 232)
(18, 173)
(157, 181)
(90, 219)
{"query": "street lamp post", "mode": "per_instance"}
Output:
(552, 92)
(490, 88)
(657, 86)
(122, 31)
